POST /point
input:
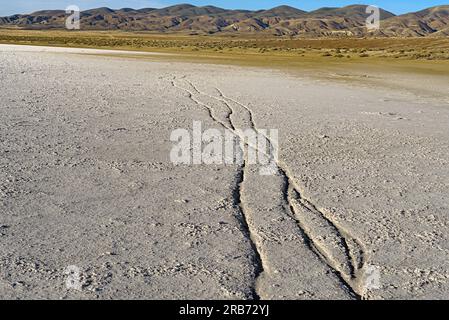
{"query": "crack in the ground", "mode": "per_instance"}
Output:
(331, 243)
(237, 196)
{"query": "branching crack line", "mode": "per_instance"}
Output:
(330, 242)
(244, 220)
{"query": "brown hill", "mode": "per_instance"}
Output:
(432, 21)
(282, 20)
(356, 12)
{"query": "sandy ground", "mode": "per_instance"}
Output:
(358, 207)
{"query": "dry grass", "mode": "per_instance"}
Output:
(409, 49)
(322, 57)
(388, 63)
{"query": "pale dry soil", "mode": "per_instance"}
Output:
(361, 183)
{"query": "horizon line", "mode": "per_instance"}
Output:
(233, 9)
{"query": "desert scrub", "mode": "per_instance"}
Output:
(427, 48)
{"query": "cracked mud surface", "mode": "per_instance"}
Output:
(86, 180)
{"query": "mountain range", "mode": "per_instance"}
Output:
(279, 21)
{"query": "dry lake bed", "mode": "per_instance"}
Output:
(93, 207)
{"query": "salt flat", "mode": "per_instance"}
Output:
(358, 207)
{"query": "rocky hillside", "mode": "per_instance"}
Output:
(282, 20)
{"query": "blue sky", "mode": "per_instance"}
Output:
(8, 7)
